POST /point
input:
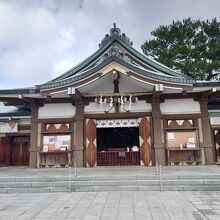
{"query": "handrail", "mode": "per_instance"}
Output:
(157, 165)
(72, 162)
(159, 171)
(161, 185)
(69, 174)
(69, 171)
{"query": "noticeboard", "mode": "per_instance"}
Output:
(8, 127)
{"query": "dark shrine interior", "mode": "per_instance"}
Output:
(117, 138)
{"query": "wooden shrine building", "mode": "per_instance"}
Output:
(117, 107)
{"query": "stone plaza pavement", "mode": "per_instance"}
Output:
(124, 205)
(110, 205)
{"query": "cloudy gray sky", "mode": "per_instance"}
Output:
(40, 39)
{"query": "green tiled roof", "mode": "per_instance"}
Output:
(206, 83)
(13, 111)
(30, 90)
(7, 109)
(159, 71)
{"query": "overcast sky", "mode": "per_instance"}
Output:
(41, 39)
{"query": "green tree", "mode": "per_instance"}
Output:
(189, 46)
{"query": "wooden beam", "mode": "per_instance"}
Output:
(26, 99)
(206, 93)
(116, 94)
(180, 95)
(156, 96)
(75, 94)
(214, 95)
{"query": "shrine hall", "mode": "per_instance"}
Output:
(117, 107)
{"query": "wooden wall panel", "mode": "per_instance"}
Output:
(91, 148)
(145, 136)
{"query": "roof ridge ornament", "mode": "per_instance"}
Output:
(115, 33)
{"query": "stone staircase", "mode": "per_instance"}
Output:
(41, 184)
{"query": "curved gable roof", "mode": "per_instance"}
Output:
(96, 61)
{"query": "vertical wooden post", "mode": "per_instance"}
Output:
(158, 132)
(207, 144)
(79, 134)
(33, 141)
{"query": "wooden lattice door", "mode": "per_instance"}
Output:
(91, 146)
(145, 141)
(20, 151)
(5, 145)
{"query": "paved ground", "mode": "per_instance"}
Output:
(111, 206)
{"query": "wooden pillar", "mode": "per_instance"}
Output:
(157, 132)
(79, 134)
(33, 139)
(207, 144)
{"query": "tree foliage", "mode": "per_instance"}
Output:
(189, 46)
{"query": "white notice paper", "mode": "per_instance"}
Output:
(170, 136)
(191, 140)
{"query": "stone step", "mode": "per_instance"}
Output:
(112, 188)
(35, 184)
(34, 190)
(80, 183)
(146, 188)
(111, 177)
(146, 182)
(110, 183)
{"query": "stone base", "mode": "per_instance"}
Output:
(33, 159)
(160, 155)
(79, 157)
(209, 156)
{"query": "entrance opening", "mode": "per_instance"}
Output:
(108, 138)
(118, 146)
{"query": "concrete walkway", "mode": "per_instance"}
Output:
(111, 206)
(127, 205)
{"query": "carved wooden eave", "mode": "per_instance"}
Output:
(174, 86)
(131, 72)
(207, 95)
(77, 84)
(108, 67)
